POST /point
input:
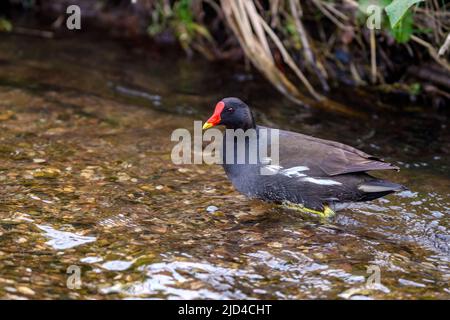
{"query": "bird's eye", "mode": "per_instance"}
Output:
(230, 110)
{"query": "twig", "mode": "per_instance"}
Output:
(33, 32)
(290, 62)
(336, 12)
(431, 51)
(241, 16)
(373, 55)
(443, 49)
(329, 15)
(307, 51)
(274, 6)
(250, 6)
(356, 75)
(301, 31)
(237, 19)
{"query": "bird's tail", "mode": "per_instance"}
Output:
(377, 188)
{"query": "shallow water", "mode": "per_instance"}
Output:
(87, 182)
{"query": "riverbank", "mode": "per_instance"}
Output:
(308, 53)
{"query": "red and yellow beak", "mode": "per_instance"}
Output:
(215, 118)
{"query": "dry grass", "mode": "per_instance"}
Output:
(293, 43)
(252, 32)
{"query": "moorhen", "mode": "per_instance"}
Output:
(315, 175)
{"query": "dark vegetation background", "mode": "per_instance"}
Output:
(306, 49)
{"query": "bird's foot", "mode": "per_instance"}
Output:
(328, 212)
(325, 214)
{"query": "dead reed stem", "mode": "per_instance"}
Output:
(252, 30)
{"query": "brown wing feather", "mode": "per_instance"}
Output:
(330, 157)
(340, 161)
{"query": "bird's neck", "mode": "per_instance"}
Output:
(249, 124)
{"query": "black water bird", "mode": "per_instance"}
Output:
(314, 174)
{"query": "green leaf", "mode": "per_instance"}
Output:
(415, 89)
(183, 11)
(397, 10)
(404, 29)
(5, 25)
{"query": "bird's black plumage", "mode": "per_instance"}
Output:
(310, 171)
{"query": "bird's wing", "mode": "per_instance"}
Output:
(324, 157)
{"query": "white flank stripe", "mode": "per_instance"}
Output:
(325, 182)
(295, 171)
(273, 168)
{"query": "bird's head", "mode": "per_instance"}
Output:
(233, 113)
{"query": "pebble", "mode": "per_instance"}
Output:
(47, 173)
(212, 209)
(10, 289)
(117, 265)
(411, 283)
(21, 240)
(8, 114)
(26, 291)
(275, 245)
(91, 259)
(158, 229)
(87, 173)
(122, 177)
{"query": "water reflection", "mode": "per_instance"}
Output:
(61, 240)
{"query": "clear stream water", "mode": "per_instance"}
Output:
(86, 184)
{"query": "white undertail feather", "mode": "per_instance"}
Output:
(374, 188)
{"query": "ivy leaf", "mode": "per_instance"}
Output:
(397, 10)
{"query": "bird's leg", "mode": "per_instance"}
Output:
(326, 213)
(319, 213)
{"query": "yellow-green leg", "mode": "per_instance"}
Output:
(326, 213)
